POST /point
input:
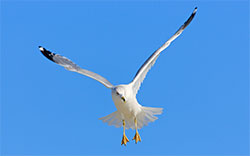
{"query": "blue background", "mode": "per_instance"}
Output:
(201, 80)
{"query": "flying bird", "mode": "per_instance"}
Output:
(129, 114)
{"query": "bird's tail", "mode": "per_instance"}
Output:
(143, 118)
(113, 119)
(147, 115)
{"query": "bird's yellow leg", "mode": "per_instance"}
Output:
(124, 137)
(137, 136)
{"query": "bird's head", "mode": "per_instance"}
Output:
(120, 92)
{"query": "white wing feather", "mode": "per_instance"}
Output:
(141, 73)
(71, 66)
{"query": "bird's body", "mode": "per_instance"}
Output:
(130, 109)
(127, 109)
(129, 114)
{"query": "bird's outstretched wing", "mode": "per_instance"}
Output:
(141, 73)
(71, 66)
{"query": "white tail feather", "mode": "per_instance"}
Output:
(143, 118)
(113, 119)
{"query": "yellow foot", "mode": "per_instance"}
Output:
(124, 140)
(137, 137)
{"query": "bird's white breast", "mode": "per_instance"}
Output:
(129, 108)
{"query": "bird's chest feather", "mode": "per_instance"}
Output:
(128, 108)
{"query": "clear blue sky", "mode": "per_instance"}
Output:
(201, 80)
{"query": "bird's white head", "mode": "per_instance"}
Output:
(119, 92)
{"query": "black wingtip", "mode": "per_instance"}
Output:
(190, 18)
(47, 53)
(41, 48)
(195, 9)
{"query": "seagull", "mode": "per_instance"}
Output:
(129, 113)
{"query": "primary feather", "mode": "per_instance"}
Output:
(141, 73)
(71, 66)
